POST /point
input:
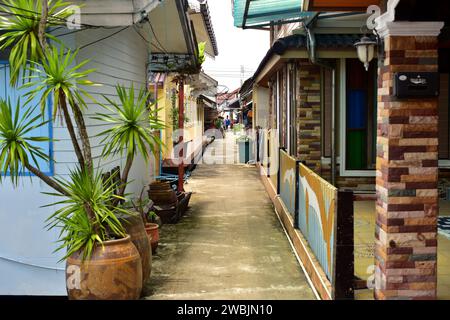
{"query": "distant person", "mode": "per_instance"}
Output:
(227, 123)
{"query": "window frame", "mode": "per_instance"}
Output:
(445, 162)
(278, 109)
(442, 163)
(292, 110)
(343, 171)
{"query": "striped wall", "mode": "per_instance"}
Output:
(120, 59)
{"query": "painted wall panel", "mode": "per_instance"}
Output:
(317, 216)
(14, 94)
(288, 181)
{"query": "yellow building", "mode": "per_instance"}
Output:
(164, 89)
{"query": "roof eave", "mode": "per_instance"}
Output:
(204, 10)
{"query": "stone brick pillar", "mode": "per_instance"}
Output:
(407, 168)
(308, 115)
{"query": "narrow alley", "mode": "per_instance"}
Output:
(225, 150)
(230, 244)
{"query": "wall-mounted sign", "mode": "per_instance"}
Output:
(416, 84)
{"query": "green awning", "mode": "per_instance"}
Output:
(256, 13)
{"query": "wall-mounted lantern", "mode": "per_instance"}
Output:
(366, 50)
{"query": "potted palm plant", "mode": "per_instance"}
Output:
(100, 254)
(131, 133)
(101, 261)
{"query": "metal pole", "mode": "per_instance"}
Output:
(155, 88)
(181, 132)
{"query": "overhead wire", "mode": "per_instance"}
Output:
(154, 35)
(70, 32)
(78, 30)
(147, 41)
(88, 26)
(21, 15)
(160, 47)
(51, 16)
(104, 38)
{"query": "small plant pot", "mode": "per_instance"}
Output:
(153, 231)
(113, 272)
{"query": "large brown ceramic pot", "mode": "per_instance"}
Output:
(153, 231)
(134, 226)
(113, 272)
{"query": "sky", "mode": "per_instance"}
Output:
(237, 47)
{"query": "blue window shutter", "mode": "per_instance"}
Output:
(357, 109)
(6, 91)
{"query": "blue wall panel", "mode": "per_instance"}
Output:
(8, 92)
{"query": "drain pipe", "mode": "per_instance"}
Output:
(312, 46)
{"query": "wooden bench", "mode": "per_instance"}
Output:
(169, 205)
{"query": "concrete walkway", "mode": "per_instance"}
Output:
(230, 244)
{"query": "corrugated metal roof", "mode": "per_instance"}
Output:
(247, 87)
(208, 101)
(234, 104)
(297, 41)
(248, 13)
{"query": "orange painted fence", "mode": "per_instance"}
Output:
(324, 216)
(321, 213)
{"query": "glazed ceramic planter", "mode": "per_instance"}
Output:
(113, 272)
(134, 226)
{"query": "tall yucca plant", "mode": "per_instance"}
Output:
(85, 217)
(57, 72)
(88, 211)
(16, 143)
(87, 214)
(21, 26)
(132, 125)
(58, 77)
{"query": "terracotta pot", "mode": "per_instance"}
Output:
(113, 272)
(134, 226)
(153, 231)
(160, 185)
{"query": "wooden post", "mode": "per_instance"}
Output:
(181, 131)
(269, 134)
(345, 261)
(297, 200)
(279, 169)
(257, 145)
